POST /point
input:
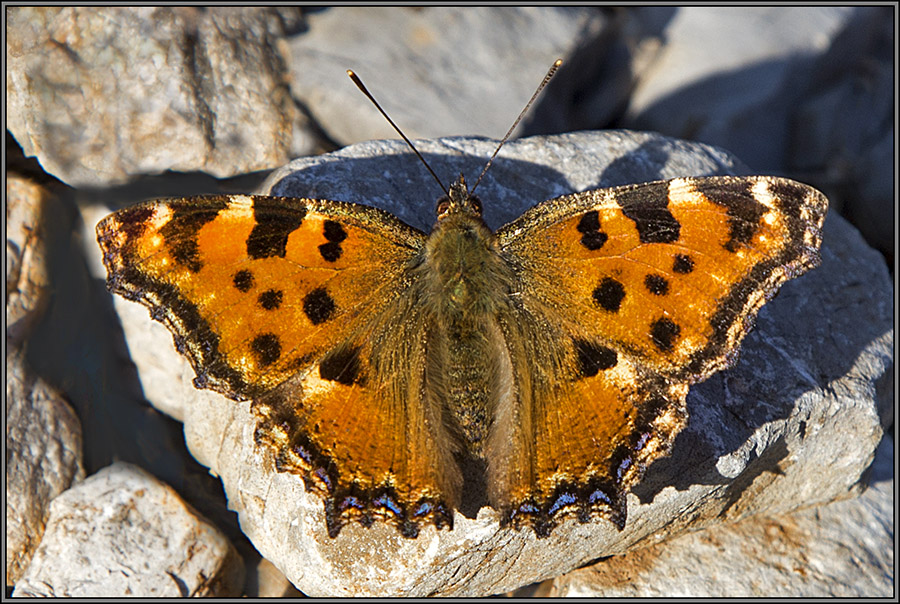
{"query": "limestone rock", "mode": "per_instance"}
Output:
(122, 532)
(843, 549)
(794, 423)
(271, 583)
(440, 70)
(99, 94)
(43, 458)
(732, 76)
(27, 282)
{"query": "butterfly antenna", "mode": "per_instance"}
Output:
(547, 77)
(366, 92)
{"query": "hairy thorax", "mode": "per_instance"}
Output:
(467, 282)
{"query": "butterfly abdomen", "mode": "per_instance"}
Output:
(464, 290)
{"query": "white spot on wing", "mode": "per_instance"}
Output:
(762, 193)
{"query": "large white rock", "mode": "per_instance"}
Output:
(122, 532)
(99, 94)
(441, 70)
(43, 458)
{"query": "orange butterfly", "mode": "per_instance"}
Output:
(556, 352)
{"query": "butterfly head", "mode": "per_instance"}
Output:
(458, 201)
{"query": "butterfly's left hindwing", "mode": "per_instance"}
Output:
(300, 305)
(625, 297)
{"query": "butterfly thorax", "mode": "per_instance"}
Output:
(466, 284)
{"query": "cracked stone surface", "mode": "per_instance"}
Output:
(121, 532)
(843, 549)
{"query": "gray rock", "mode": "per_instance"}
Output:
(843, 549)
(843, 131)
(27, 282)
(732, 76)
(95, 107)
(794, 423)
(122, 532)
(43, 458)
(438, 70)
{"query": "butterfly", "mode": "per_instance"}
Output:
(556, 351)
(559, 349)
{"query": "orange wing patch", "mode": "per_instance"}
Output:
(248, 284)
(369, 455)
(651, 288)
(671, 272)
(285, 301)
(586, 472)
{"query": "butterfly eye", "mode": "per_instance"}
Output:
(476, 205)
(442, 207)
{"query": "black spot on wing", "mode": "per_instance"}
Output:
(266, 349)
(663, 333)
(589, 222)
(334, 232)
(683, 264)
(270, 299)
(243, 280)
(318, 306)
(609, 294)
(656, 284)
(180, 233)
(331, 251)
(647, 206)
(273, 227)
(342, 366)
(589, 226)
(592, 358)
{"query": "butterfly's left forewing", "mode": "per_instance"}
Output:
(303, 306)
(623, 298)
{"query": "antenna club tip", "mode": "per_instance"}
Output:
(557, 63)
(350, 73)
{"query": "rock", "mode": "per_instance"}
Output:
(271, 583)
(154, 356)
(844, 127)
(27, 282)
(121, 532)
(843, 549)
(794, 423)
(732, 76)
(97, 108)
(43, 458)
(499, 55)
